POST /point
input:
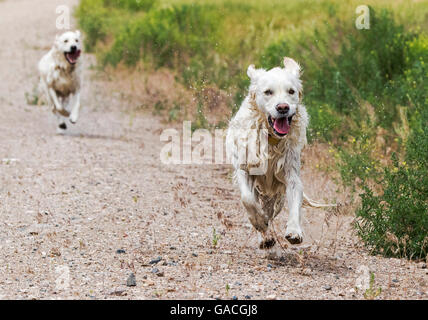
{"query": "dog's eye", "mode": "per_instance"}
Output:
(65, 41)
(77, 40)
(291, 91)
(268, 92)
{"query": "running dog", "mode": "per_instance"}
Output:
(60, 77)
(272, 112)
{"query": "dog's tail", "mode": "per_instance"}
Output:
(314, 204)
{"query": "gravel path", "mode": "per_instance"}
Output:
(82, 212)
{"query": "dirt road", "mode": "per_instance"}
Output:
(81, 212)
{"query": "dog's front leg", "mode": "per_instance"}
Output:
(55, 100)
(75, 107)
(256, 215)
(250, 201)
(294, 232)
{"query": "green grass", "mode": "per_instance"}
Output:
(366, 90)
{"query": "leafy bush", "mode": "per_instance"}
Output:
(92, 19)
(132, 5)
(168, 36)
(395, 223)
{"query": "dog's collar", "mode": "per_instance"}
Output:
(273, 141)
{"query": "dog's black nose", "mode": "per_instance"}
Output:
(73, 48)
(282, 108)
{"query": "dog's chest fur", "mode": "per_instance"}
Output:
(273, 181)
(65, 81)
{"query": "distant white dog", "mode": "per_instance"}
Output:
(272, 111)
(60, 77)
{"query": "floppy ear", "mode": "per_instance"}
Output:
(292, 66)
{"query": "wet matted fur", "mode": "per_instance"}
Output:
(273, 108)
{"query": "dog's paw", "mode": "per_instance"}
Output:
(294, 235)
(62, 126)
(267, 243)
(73, 119)
(61, 129)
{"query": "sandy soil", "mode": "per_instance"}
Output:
(69, 203)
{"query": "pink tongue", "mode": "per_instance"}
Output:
(281, 125)
(74, 56)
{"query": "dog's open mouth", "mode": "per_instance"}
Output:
(72, 56)
(281, 126)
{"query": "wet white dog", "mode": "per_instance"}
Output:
(273, 119)
(60, 77)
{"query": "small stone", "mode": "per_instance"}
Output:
(271, 297)
(394, 280)
(424, 266)
(327, 287)
(154, 261)
(234, 298)
(132, 281)
(194, 254)
(248, 297)
(155, 270)
(119, 251)
(160, 274)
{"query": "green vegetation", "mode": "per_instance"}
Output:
(215, 238)
(365, 90)
(371, 293)
(135, 5)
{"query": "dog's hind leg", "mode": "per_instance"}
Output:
(271, 207)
